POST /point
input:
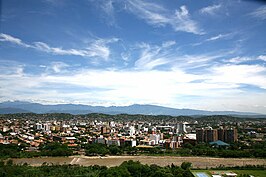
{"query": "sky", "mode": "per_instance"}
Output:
(208, 55)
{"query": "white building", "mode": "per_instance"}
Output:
(181, 128)
(155, 138)
(132, 131)
(38, 126)
(46, 127)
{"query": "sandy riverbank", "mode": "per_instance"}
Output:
(109, 161)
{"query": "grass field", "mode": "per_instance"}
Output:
(255, 173)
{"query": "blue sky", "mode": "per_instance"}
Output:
(208, 55)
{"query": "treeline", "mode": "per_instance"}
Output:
(246, 167)
(126, 169)
(58, 149)
(49, 149)
(257, 150)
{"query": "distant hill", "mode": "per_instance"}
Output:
(12, 111)
(24, 107)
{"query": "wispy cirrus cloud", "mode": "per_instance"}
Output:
(215, 38)
(211, 10)
(219, 36)
(238, 59)
(157, 15)
(259, 13)
(57, 67)
(152, 56)
(107, 9)
(11, 39)
(243, 59)
(98, 48)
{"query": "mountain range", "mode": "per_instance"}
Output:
(11, 107)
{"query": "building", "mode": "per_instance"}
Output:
(181, 128)
(230, 135)
(38, 126)
(155, 138)
(221, 134)
(211, 135)
(105, 130)
(200, 135)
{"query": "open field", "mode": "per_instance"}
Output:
(197, 162)
(208, 173)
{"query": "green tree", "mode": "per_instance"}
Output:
(186, 165)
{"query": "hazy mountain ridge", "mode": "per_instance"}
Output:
(23, 107)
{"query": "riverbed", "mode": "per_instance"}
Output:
(109, 161)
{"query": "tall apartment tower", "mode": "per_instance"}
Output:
(221, 134)
(181, 128)
(230, 135)
(200, 135)
(211, 135)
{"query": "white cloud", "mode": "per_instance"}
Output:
(259, 13)
(98, 48)
(108, 8)
(239, 74)
(211, 10)
(219, 36)
(167, 56)
(57, 67)
(157, 15)
(168, 44)
(123, 87)
(238, 59)
(152, 56)
(58, 51)
(215, 38)
(11, 39)
(125, 56)
(262, 57)
(183, 22)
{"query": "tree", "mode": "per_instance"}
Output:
(186, 165)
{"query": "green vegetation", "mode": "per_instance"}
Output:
(49, 149)
(234, 151)
(126, 169)
(256, 173)
(240, 173)
(58, 149)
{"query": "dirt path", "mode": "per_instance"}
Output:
(109, 161)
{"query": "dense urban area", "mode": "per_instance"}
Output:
(30, 135)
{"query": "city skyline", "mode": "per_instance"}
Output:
(181, 54)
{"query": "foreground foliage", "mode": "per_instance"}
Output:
(126, 169)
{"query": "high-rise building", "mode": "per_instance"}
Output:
(221, 134)
(181, 128)
(211, 135)
(230, 135)
(200, 135)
